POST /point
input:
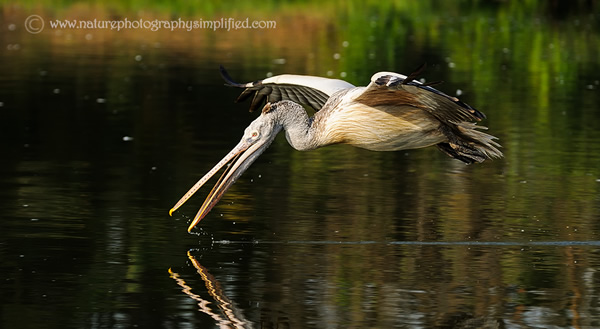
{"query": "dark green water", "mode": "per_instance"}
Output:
(103, 131)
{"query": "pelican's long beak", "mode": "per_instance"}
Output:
(241, 156)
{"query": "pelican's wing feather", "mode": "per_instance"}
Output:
(465, 142)
(303, 89)
(439, 104)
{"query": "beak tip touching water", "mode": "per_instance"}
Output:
(193, 224)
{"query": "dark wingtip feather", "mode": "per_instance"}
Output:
(260, 96)
(228, 80)
(414, 74)
(247, 93)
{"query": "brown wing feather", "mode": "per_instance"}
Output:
(463, 141)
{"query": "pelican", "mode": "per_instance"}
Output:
(394, 112)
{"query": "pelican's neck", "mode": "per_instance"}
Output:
(299, 128)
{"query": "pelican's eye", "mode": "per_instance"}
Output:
(254, 134)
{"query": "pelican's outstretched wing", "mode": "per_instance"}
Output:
(439, 104)
(465, 142)
(303, 89)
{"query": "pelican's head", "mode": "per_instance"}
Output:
(257, 138)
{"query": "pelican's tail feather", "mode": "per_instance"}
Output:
(468, 144)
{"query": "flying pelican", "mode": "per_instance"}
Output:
(394, 112)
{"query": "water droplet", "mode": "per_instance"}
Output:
(12, 27)
(89, 36)
(343, 74)
(56, 91)
(127, 138)
(337, 56)
(279, 61)
(458, 92)
(138, 58)
(345, 44)
(101, 100)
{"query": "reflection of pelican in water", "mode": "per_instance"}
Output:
(394, 112)
(233, 317)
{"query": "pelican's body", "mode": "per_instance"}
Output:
(392, 113)
(374, 127)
